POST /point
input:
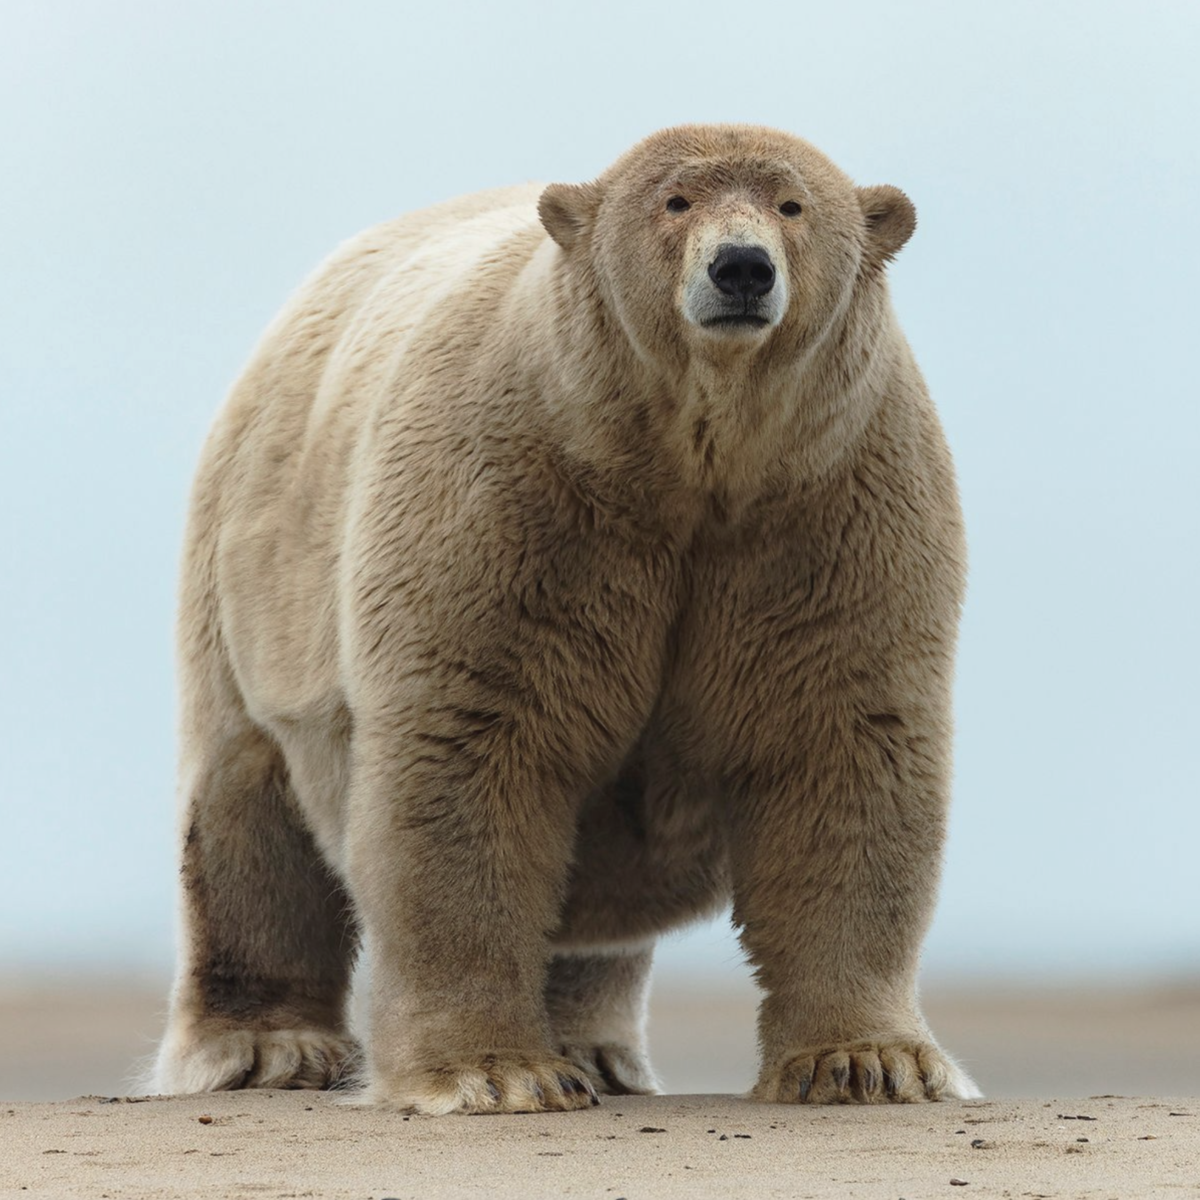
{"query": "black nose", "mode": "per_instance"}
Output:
(744, 271)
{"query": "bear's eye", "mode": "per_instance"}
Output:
(790, 208)
(677, 204)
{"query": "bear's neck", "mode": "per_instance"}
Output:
(708, 435)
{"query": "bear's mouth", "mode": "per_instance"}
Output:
(735, 321)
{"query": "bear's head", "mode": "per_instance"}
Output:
(725, 239)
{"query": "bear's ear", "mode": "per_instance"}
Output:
(891, 219)
(567, 210)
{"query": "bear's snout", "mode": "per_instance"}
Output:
(742, 271)
(732, 287)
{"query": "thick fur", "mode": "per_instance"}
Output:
(531, 608)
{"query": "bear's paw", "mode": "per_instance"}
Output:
(882, 1071)
(223, 1059)
(508, 1081)
(614, 1069)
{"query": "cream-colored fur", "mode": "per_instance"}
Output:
(544, 589)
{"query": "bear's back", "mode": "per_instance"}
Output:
(359, 305)
(275, 482)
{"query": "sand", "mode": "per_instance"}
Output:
(290, 1144)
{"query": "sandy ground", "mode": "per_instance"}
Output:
(59, 1040)
(288, 1144)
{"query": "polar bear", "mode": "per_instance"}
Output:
(569, 563)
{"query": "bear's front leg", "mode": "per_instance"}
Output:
(836, 858)
(484, 714)
(835, 871)
(828, 720)
(458, 861)
(503, 650)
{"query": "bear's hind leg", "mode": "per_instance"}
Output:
(269, 939)
(597, 1009)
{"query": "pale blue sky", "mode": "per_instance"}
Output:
(171, 171)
